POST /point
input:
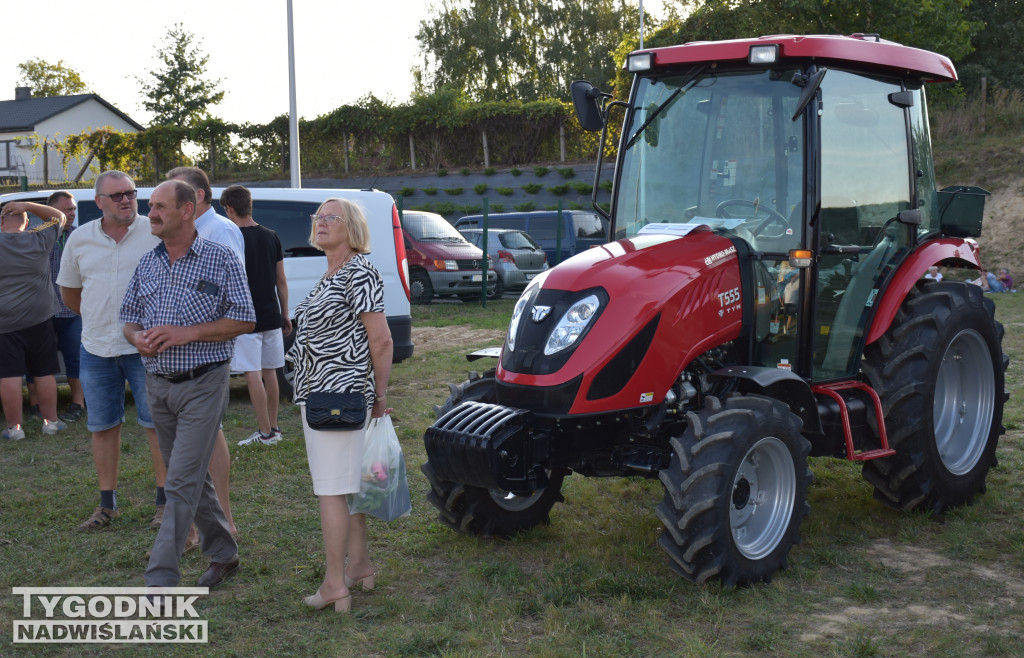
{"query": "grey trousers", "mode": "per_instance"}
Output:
(187, 416)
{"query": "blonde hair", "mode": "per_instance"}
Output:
(355, 223)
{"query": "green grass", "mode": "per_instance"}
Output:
(864, 581)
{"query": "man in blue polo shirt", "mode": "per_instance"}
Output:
(186, 303)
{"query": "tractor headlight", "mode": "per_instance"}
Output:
(517, 315)
(571, 326)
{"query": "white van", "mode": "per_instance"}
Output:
(287, 211)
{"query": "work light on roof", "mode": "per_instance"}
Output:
(639, 62)
(764, 54)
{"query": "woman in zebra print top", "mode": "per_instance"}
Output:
(342, 343)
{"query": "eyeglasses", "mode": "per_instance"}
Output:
(326, 219)
(117, 197)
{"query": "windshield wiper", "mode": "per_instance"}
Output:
(658, 110)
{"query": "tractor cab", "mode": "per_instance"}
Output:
(822, 169)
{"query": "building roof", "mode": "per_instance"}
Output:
(24, 115)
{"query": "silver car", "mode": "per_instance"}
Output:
(516, 257)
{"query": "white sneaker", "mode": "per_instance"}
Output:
(277, 434)
(13, 433)
(53, 426)
(260, 438)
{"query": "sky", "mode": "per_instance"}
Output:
(344, 49)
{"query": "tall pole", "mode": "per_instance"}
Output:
(641, 24)
(293, 115)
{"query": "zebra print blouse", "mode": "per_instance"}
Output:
(331, 351)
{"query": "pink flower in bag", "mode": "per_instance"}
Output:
(379, 471)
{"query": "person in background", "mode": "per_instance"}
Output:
(28, 303)
(342, 344)
(217, 228)
(99, 259)
(66, 323)
(182, 309)
(259, 354)
(933, 273)
(1001, 282)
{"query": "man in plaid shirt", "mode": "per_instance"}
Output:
(186, 302)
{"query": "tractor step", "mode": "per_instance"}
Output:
(832, 391)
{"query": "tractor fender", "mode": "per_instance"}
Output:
(950, 252)
(779, 384)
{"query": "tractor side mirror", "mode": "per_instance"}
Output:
(587, 102)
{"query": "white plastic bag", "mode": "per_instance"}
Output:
(384, 486)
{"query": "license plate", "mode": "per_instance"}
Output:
(476, 278)
(530, 276)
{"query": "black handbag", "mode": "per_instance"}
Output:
(335, 411)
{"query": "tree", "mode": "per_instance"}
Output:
(48, 79)
(998, 48)
(179, 94)
(493, 50)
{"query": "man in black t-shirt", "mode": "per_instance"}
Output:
(259, 354)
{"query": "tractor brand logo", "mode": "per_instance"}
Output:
(540, 312)
(714, 258)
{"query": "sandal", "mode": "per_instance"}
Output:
(100, 518)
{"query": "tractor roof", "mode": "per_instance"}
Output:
(858, 49)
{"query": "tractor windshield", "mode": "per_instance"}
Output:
(719, 149)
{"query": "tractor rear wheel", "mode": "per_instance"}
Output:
(939, 371)
(735, 491)
(487, 512)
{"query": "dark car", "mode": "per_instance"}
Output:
(516, 257)
(580, 230)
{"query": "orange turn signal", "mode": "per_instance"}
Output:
(800, 257)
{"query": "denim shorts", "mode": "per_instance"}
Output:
(103, 380)
(69, 342)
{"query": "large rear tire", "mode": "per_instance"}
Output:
(735, 491)
(487, 512)
(940, 373)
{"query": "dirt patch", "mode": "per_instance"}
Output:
(1007, 588)
(434, 339)
(1002, 235)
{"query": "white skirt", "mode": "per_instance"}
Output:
(335, 458)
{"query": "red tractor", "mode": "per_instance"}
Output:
(761, 301)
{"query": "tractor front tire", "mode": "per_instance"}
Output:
(487, 512)
(735, 491)
(940, 373)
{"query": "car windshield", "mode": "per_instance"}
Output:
(721, 150)
(432, 228)
(517, 240)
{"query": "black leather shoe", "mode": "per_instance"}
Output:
(217, 573)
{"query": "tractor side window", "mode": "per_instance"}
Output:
(927, 195)
(865, 182)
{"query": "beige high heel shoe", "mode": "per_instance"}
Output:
(317, 602)
(366, 582)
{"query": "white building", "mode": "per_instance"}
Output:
(26, 119)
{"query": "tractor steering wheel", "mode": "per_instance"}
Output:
(773, 217)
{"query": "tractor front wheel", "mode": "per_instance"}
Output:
(939, 371)
(487, 512)
(735, 491)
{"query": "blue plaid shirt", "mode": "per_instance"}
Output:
(206, 284)
(55, 254)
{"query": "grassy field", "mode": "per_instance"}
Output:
(866, 581)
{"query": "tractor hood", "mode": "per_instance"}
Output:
(612, 327)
